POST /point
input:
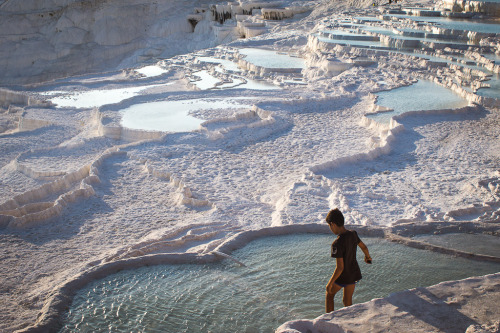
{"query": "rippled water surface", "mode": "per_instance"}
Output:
(284, 280)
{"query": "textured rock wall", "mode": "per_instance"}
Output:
(42, 40)
(491, 8)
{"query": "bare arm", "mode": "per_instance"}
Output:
(364, 248)
(338, 270)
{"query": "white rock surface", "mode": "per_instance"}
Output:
(43, 40)
(80, 192)
(458, 306)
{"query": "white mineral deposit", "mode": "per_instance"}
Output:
(141, 133)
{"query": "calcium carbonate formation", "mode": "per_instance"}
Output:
(102, 169)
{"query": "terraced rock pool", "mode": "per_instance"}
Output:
(423, 95)
(172, 116)
(284, 279)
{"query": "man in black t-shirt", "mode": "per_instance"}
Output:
(347, 271)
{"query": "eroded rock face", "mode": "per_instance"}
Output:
(45, 40)
(42, 40)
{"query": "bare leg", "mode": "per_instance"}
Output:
(330, 294)
(348, 292)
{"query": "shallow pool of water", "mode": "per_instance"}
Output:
(494, 90)
(368, 18)
(474, 243)
(354, 43)
(97, 97)
(227, 64)
(394, 35)
(171, 116)
(284, 279)
(341, 33)
(423, 95)
(206, 81)
(271, 59)
(486, 26)
(255, 84)
(151, 71)
(493, 56)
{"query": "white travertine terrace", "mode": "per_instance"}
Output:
(491, 8)
(83, 197)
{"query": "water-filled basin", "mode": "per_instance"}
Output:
(284, 279)
(151, 71)
(271, 59)
(227, 64)
(494, 87)
(423, 95)
(355, 43)
(475, 243)
(97, 97)
(484, 26)
(171, 116)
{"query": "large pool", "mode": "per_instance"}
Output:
(423, 95)
(494, 90)
(476, 243)
(484, 26)
(96, 97)
(173, 116)
(271, 59)
(284, 279)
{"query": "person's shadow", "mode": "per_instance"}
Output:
(428, 309)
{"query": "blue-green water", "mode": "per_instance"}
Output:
(354, 43)
(475, 243)
(285, 280)
(423, 95)
(271, 59)
(494, 57)
(494, 90)
(391, 33)
(484, 26)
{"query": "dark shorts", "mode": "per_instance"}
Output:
(344, 285)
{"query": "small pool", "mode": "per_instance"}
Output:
(474, 243)
(206, 81)
(367, 18)
(423, 95)
(254, 84)
(97, 97)
(342, 33)
(284, 279)
(484, 26)
(360, 43)
(172, 116)
(391, 33)
(227, 64)
(151, 71)
(271, 59)
(493, 56)
(494, 90)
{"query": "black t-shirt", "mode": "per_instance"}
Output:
(345, 246)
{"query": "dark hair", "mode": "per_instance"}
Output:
(335, 216)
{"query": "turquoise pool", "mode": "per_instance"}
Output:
(271, 59)
(484, 26)
(423, 95)
(284, 279)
